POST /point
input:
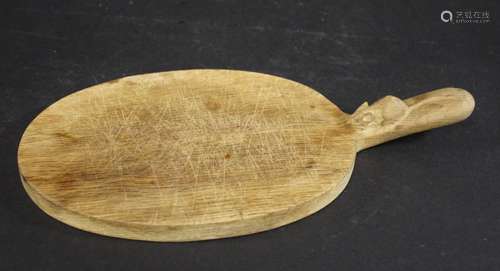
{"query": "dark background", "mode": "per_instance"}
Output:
(425, 202)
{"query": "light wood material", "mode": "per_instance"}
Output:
(204, 154)
(390, 117)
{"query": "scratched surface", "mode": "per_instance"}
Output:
(425, 202)
(188, 148)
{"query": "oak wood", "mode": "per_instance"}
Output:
(204, 154)
(390, 117)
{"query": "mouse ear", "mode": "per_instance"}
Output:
(361, 108)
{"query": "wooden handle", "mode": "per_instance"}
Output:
(391, 117)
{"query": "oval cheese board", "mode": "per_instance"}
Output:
(205, 154)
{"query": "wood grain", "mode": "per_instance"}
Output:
(203, 154)
(391, 117)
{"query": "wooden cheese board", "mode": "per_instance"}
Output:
(205, 154)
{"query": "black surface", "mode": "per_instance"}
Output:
(425, 202)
